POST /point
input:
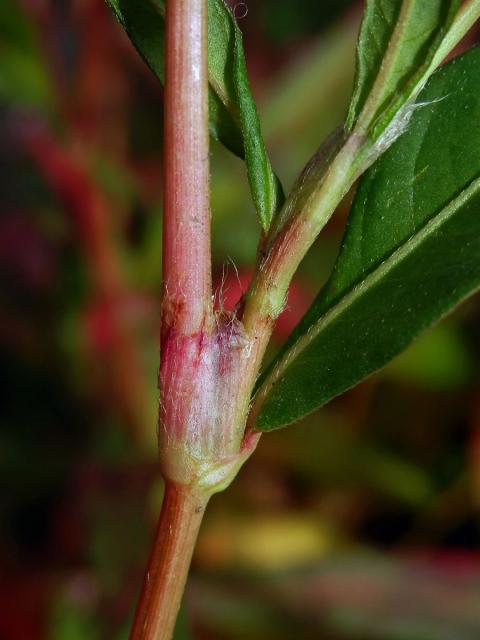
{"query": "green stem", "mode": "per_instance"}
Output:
(317, 194)
(467, 16)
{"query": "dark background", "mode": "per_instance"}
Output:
(362, 522)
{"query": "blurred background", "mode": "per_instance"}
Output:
(362, 522)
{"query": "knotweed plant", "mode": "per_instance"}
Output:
(410, 251)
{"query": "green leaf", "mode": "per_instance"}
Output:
(410, 254)
(233, 114)
(266, 189)
(397, 44)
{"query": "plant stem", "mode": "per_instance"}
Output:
(180, 519)
(187, 299)
(304, 216)
(187, 313)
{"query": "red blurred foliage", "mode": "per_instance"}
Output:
(24, 598)
(24, 251)
(112, 313)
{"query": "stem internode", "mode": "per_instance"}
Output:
(180, 519)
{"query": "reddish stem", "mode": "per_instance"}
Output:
(187, 310)
(186, 241)
(180, 520)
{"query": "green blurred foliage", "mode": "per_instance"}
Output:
(284, 21)
(24, 77)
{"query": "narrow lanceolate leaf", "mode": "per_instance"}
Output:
(266, 189)
(411, 252)
(400, 44)
(233, 115)
(229, 79)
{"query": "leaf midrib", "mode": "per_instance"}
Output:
(357, 290)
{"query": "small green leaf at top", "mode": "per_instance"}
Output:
(233, 115)
(411, 253)
(397, 43)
